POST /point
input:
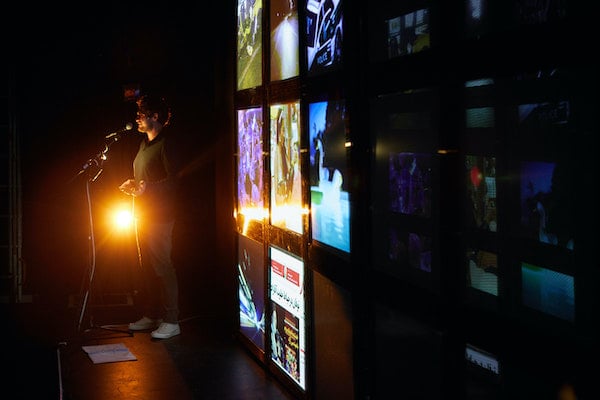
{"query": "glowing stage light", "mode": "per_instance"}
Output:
(122, 217)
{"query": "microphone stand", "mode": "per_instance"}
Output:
(98, 160)
(94, 163)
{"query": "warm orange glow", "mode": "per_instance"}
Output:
(122, 218)
(252, 214)
(289, 216)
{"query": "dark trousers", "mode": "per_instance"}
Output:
(159, 279)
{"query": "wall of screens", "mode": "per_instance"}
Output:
(431, 164)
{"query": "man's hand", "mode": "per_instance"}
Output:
(131, 188)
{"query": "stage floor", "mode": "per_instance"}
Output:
(43, 356)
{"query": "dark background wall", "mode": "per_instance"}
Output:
(70, 69)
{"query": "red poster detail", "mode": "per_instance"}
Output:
(293, 277)
(278, 268)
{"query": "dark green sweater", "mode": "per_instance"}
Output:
(154, 163)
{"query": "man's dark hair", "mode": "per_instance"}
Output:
(148, 105)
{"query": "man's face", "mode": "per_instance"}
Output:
(144, 122)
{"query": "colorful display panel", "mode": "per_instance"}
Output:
(329, 198)
(547, 208)
(409, 249)
(410, 183)
(285, 46)
(324, 34)
(482, 271)
(480, 174)
(250, 165)
(251, 290)
(548, 291)
(288, 335)
(408, 33)
(286, 180)
(249, 44)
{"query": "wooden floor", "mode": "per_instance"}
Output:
(43, 356)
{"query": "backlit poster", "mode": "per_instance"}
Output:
(284, 40)
(324, 34)
(286, 180)
(480, 183)
(288, 338)
(329, 196)
(408, 33)
(249, 43)
(250, 165)
(548, 291)
(251, 290)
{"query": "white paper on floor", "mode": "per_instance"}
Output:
(106, 353)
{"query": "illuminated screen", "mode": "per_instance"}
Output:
(324, 34)
(479, 82)
(542, 114)
(548, 291)
(477, 17)
(250, 164)
(547, 209)
(288, 336)
(251, 290)
(286, 181)
(482, 359)
(479, 114)
(410, 183)
(329, 197)
(409, 248)
(482, 271)
(284, 40)
(480, 117)
(249, 44)
(408, 33)
(480, 174)
(482, 374)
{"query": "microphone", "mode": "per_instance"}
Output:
(128, 127)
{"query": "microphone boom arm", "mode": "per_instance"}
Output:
(98, 159)
(116, 135)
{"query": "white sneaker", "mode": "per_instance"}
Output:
(144, 323)
(166, 330)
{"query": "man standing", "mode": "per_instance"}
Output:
(154, 188)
